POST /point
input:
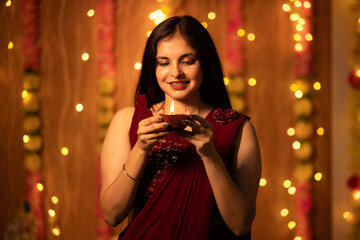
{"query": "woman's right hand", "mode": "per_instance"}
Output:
(150, 131)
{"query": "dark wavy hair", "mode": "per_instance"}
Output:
(212, 89)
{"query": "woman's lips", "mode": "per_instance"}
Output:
(179, 84)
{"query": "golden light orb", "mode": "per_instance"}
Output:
(26, 138)
(226, 81)
(286, 7)
(55, 199)
(10, 45)
(284, 212)
(137, 65)
(148, 33)
(85, 56)
(91, 13)
(294, 87)
(309, 37)
(291, 131)
(320, 131)
(318, 176)
(317, 86)
(241, 32)
(211, 15)
(64, 151)
(56, 231)
(356, 195)
(287, 183)
(251, 37)
(297, 238)
(299, 27)
(79, 107)
(40, 187)
(299, 94)
(307, 4)
(252, 82)
(205, 25)
(51, 212)
(8, 3)
(297, 37)
(291, 224)
(298, 47)
(298, 4)
(262, 182)
(296, 145)
(294, 17)
(24, 94)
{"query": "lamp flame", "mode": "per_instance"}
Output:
(172, 107)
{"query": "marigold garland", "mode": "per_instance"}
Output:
(353, 181)
(301, 17)
(106, 71)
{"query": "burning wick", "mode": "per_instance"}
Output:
(172, 108)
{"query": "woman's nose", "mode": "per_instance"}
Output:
(176, 72)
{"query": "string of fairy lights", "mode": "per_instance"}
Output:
(301, 90)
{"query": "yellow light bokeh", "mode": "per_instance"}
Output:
(24, 94)
(64, 151)
(55, 199)
(8, 3)
(299, 27)
(40, 187)
(91, 13)
(309, 37)
(85, 56)
(262, 182)
(287, 183)
(10, 45)
(297, 37)
(252, 82)
(296, 145)
(299, 94)
(26, 138)
(51, 212)
(294, 17)
(297, 238)
(298, 47)
(347, 215)
(318, 176)
(211, 15)
(291, 190)
(284, 212)
(148, 33)
(317, 86)
(301, 21)
(294, 87)
(79, 107)
(159, 19)
(205, 25)
(320, 131)
(356, 195)
(241, 32)
(291, 131)
(137, 65)
(286, 7)
(307, 4)
(251, 37)
(291, 225)
(357, 72)
(298, 4)
(226, 81)
(56, 231)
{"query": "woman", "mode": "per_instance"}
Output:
(196, 183)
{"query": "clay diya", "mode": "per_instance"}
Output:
(175, 121)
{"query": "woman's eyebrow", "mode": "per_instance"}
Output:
(181, 57)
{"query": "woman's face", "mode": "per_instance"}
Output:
(178, 69)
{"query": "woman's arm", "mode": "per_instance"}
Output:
(118, 190)
(235, 196)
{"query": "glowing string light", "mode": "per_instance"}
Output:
(284, 212)
(252, 82)
(10, 45)
(79, 107)
(287, 183)
(40, 187)
(55, 199)
(64, 151)
(320, 131)
(318, 176)
(291, 131)
(8, 3)
(85, 56)
(91, 13)
(137, 65)
(263, 182)
(291, 225)
(211, 15)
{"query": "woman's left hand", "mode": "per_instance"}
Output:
(201, 135)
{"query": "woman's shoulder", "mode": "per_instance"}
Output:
(123, 117)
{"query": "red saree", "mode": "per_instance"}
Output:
(174, 199)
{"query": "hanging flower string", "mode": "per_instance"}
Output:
(353, 182)
(301, 18)
(234, 55)
(32, 123)
(106, 70)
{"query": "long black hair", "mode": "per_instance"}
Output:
(212, 89)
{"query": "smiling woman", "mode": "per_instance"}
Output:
(199, 182)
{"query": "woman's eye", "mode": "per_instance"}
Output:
(189, 62)
(163, 64)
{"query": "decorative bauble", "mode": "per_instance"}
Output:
(237, 103)
(304, 171)
(236, 85)
(303, 85)
(305, 151)
(303, 107)
(353, 182)
(34, 144)
(32, 162)
(106, 85)
(106, 102)
(31, 81)
(31, 124)
(303, 129)
(31, 102)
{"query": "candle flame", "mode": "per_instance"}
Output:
(172, 107)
